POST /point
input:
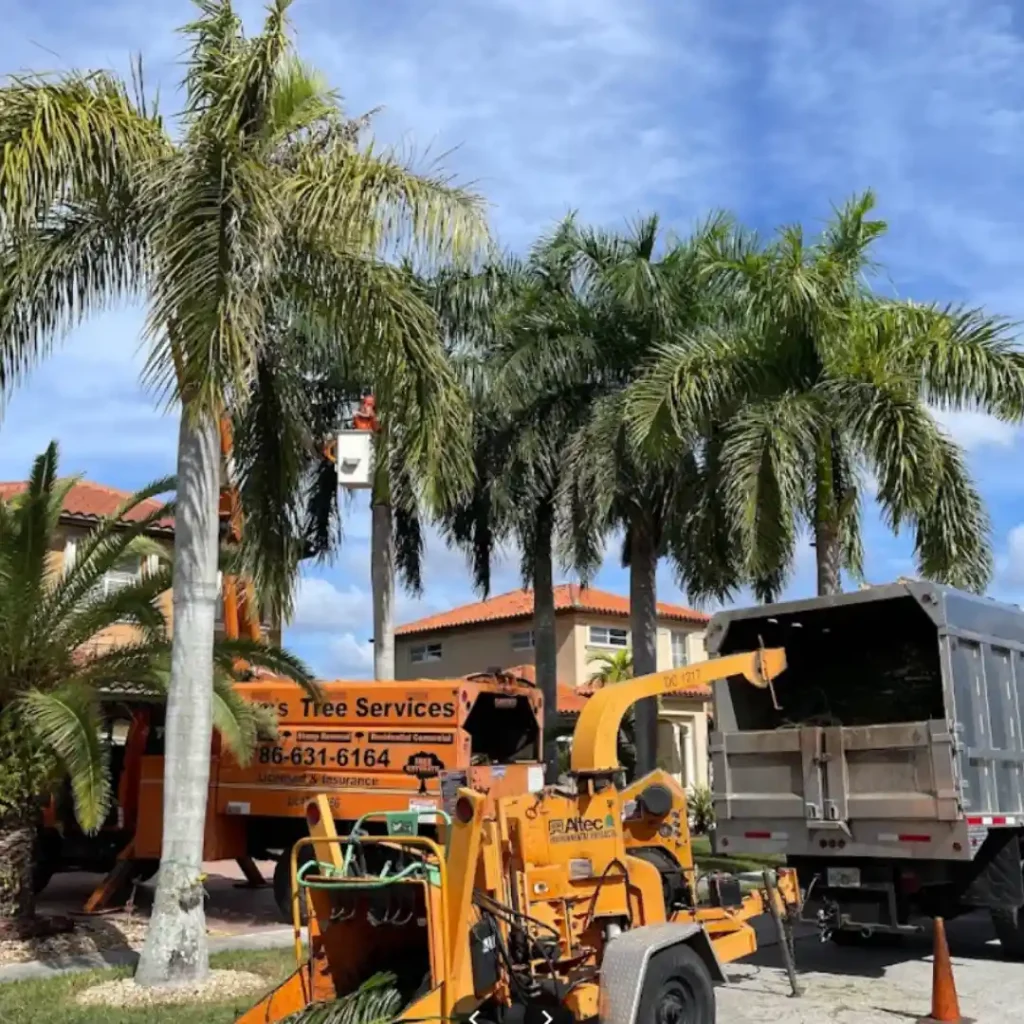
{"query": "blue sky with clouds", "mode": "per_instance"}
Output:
(614, 108)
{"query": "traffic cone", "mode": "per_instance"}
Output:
(945, 1007)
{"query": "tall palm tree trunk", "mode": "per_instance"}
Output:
(827, 547)
(382, 581)
(175, 949)
(545, 644)
(643, 613)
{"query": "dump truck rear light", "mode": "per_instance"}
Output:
(313, 813)
(765, 835)
(993, 819)
(913, 837)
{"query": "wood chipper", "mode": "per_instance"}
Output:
(576, 903)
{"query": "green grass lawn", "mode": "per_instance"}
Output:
(52, 1001)
(708, 861)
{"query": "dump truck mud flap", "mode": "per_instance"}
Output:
(626, 959)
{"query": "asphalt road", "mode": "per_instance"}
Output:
(875, 986)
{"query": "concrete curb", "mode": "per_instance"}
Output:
(276, 938)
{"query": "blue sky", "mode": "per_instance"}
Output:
(774, 111)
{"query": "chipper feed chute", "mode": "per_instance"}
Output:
(380, 915)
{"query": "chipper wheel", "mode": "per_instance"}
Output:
(677, 989)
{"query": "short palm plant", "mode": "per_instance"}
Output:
(54, 674)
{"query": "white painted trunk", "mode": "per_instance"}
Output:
(382, 579)
(643, 612)
(175, 950)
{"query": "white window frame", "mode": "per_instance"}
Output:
(422, 653)
(116, 579)
(679, 638)
(619, 643)
(522, 640)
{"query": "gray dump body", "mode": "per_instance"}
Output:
(900, 729)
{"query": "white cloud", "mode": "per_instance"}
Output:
(975, 430)
(348, 657)
(321, 607)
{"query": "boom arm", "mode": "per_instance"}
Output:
(594, 746)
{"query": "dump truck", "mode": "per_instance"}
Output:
(371, 745)
(580, 902)
(886, 763)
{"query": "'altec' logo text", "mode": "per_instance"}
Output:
(564, 830)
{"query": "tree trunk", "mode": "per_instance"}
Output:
(544, 640)
(827, 548)
(175, 949)
(643, 614)
(382, 580)
(17, 894)
(829, 557)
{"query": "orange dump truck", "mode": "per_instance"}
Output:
(370, 746)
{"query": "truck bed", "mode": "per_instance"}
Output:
(898, 725)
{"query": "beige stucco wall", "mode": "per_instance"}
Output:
(120, 633)
(477, 648)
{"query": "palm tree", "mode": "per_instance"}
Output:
(54, 674)
(815, 383)
(502, 323)
(612, 666)
(261, 210)
(641, 291)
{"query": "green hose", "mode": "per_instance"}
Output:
(339, 882)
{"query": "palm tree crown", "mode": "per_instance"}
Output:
(810, 383)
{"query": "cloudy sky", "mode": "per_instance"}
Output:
(775, 111)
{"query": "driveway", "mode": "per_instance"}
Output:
(874, 986)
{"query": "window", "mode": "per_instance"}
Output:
(608, 636)
(424, 652)
(679, 655)
(123, 574)
(522, 640)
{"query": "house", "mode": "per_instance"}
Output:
(497, 633)
(85, 505)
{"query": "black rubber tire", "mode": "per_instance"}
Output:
(1010, 932)
(283, 882)
(42, 872)
(677, 989)
(145, 869)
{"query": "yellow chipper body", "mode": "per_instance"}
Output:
(577, 903)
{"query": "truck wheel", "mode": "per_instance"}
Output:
(1010, 932)
(677, 989)
(283, 882)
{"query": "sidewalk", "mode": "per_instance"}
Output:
(236, 918)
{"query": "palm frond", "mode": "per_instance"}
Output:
(67, 721)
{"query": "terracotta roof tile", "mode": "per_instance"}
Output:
(87, 500)
(518, 604)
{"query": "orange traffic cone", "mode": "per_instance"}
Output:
(945, 1007)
